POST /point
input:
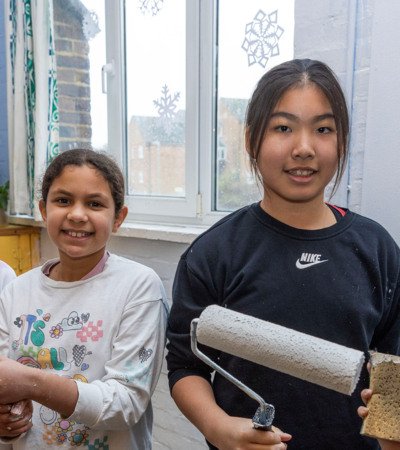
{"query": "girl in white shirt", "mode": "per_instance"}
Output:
(93, 323)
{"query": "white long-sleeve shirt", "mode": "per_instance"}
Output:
(7, 274)
(107, 333)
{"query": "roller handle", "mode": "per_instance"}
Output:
(265, 413)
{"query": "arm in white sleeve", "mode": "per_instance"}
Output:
(119, 399)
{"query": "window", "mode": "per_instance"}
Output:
(155, 97)
(163, 85)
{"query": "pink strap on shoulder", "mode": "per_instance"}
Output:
(341, 211)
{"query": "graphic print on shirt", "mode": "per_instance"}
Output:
(39, 344)
(136, 370)
(309, 259)
(144, 354)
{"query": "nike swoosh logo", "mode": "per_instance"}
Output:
(301, 265)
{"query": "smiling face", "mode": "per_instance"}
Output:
(298, 156)
(80, 214)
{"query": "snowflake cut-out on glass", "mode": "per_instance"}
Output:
(166, 104)
(261, 38)
(90, 25)
(151, 7)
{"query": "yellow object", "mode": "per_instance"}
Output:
(19, 247)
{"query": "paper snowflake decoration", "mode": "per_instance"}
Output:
(167, 103)
(151, 7)
(261, 38)
(90, 25)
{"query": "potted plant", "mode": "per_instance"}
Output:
(4, 202)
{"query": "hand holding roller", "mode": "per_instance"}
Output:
(309, 358)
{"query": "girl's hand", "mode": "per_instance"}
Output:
(362, 411)
(236, 433)
(12, 425)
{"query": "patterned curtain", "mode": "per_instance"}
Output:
(32, 99)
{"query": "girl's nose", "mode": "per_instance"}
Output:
(303, 148)
(77, 213)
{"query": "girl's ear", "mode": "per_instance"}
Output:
(120, 218)
(42, 209)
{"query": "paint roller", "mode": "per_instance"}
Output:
(300, 355)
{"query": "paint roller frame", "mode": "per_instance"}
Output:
(264, 416)
(324, 363)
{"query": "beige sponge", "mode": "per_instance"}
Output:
(383, 420)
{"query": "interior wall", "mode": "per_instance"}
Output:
(381, 185)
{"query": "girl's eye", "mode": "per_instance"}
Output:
(95, 204)
(282, 129)
(62, 201)
(324, 130)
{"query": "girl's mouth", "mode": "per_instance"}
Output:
(301, 172)
(77, 234)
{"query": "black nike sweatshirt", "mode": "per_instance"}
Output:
(341, 283)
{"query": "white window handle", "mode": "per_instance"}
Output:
(107, 69)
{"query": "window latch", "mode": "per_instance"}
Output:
(107, 69)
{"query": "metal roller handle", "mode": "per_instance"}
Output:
(265, 413)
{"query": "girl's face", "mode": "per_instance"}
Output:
(298, 156)
(80, 213)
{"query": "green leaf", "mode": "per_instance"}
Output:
(4, 195)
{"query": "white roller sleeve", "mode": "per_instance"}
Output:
(298, 354)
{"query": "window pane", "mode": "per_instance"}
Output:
(253, 36)
(80, 54)
(155, 86)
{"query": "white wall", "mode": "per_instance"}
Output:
(381, 183)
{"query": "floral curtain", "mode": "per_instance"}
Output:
(32, 99)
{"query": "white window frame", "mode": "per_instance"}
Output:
(196, 206)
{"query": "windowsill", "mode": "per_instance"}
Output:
(171, 233)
